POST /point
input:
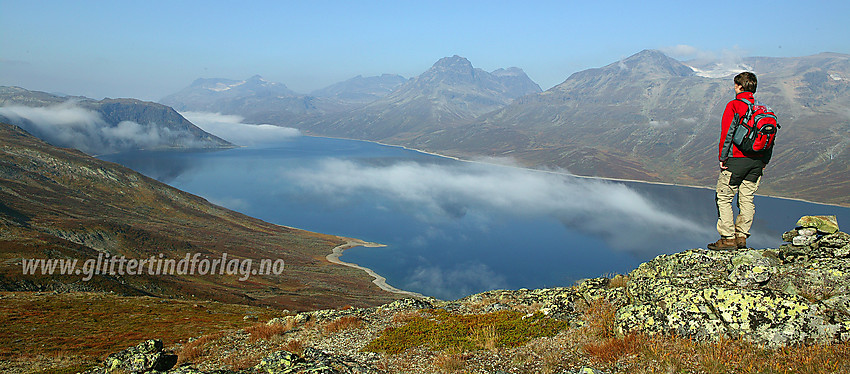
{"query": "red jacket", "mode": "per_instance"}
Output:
(726, 148)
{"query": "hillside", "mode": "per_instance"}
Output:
(101, 126)
(62, 204)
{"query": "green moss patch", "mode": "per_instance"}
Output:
(441, 330)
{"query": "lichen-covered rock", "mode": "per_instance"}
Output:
(775, 297)
(838, 304)
(768, 317)
(678, 310)
(281, 321)
(753, 268)
(807, 243)
(803, 240)
(807, 231)
(188, 370)
(600, 288)
(408, 303)
(789, 235)
(280, 362)
(841, 252)
(790, 253)
(146, 357)
(586, 370)
(311, 361)
(834, 240)
(824, 224)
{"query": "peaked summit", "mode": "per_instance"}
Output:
(450, 92)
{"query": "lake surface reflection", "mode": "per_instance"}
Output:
(454, 228)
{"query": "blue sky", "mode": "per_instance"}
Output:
(149, 49)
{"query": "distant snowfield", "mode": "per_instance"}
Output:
(720, 70)
(219, 87)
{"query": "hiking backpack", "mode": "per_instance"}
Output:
(755, 132)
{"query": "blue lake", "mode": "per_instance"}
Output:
(453, 228)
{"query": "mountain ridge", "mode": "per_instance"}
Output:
(361, 90)
(102, 126)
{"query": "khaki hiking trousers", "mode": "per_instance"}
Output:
(727, 225)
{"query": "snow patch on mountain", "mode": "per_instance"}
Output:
(219, 87)
(720, 70)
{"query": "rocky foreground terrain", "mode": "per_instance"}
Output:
(770, 310)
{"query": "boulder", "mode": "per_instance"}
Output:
(824, 224)
(280, 362)
(753, 268)
(312, 361)
(146, 357)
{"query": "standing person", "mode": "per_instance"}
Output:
(740, 173)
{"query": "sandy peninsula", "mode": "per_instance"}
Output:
(379, 280)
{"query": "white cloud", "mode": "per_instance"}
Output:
(232, 129)
(436, 192)
(68, 125)
(681, 51)
(710, 64)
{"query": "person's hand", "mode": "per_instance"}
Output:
(723, 165)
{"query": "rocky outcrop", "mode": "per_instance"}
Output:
(796, 294)
(791, 295)
(146, 357)
(310, 361)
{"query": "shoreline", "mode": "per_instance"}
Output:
(378, 280)
(565, 173)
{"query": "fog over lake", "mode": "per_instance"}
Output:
(453, 228)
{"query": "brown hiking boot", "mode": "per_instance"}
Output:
(724, 245)
(741, 241)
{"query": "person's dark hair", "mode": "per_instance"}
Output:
(747, 81)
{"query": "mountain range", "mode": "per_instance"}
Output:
(101, 126)
(646, 117)
(650, 117)
(262, 101)
(450, 92)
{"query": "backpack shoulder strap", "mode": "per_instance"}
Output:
(750, 109)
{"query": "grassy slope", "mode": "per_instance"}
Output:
(40, 330)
